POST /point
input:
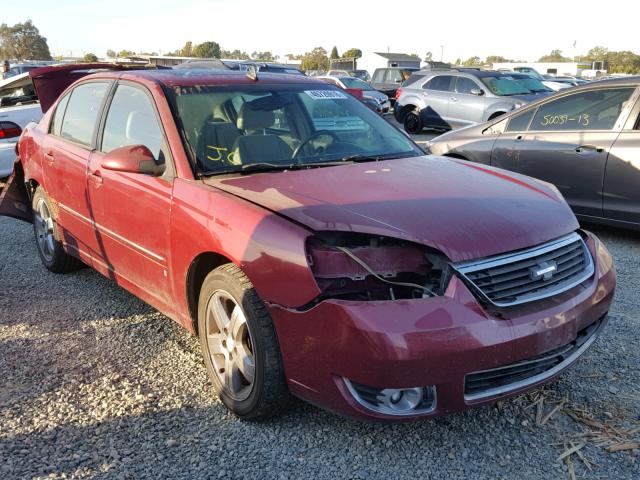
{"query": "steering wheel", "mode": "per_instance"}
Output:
(314, 135)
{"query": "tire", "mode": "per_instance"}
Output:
(234, 341)
(47, 234)
(412, 122)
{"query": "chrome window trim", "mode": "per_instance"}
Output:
(541, 377)
(463, 268)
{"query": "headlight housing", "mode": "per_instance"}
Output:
(361, 267)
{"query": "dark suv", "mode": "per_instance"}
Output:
(387, 80)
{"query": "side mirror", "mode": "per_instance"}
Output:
(476, 91)
(132, 159)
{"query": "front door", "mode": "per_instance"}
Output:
(132, 210)
(567, 143)
(66, 150)
(467, 104)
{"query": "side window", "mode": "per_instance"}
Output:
(81, 113)
(441, 83)
(589, 110)
(394, 76)
(465, 85)
(132, 121)
(378, 75)
(520, 122)
(56, 122)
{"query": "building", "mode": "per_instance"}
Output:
(574, 69)
(373, 60)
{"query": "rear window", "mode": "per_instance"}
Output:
(82, 112)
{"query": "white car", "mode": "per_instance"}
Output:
(19, 106)
(379, 99)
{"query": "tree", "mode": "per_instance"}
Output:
(111, 54)
(235, 55)
(316, 59)
(471, 62)
(126, 53)
(207, 50)
(491, 59)
(334, 53)
(23, 42)
(90, 58)
(263, 56)
(554, 56)
(187, 50)
(428, 57)
(352, 53)
(458, 61)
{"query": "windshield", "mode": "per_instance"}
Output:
(533, 85)
(353, 82)
(361, 74)
(503, 86)
(244, 128)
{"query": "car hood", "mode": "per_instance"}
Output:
(463, 209)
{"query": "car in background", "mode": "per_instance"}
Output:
(310, 245)
(361, 74)
(388, 80)
(548, 82)
(530, 83)
(19, 68)
(18, 107)
(585, 141)
(265, 67)
(378, 100)
(442, 99)
(572, 81)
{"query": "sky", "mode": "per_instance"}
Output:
(457, 29)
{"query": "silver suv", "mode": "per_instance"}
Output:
(441, 99)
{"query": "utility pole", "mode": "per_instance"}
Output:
(441, 52)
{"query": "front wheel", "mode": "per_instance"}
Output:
(240, 346)
(413, 122)
(47, 236)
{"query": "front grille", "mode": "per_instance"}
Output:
(531, 274)
(501, 380)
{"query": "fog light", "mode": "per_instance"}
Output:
(394, 401)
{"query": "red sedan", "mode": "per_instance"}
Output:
(311, 246)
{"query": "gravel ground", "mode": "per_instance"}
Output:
(94, 383)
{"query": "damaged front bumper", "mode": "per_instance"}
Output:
(434, 344)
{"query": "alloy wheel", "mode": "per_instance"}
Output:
(230, 345)
(43, 223)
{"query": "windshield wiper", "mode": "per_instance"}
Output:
(363, 157)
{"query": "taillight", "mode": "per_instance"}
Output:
(398, 92)
(9, 130)
(356, 92)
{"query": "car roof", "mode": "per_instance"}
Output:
(190, 77)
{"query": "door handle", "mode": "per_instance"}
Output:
(48, 156)
(520, 138)
(96, 177)
(589, 149)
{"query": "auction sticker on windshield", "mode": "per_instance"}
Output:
(325, 94)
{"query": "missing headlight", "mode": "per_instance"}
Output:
(363, 267)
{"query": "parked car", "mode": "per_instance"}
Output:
(586, 141)
(18, 69)
(388, 80)
(530, 83)
(379, 101)
(18, 107)
(308, 243)
(444, 98)
(361, 74)
(548, 82)
(271, 67)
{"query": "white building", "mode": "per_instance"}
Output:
(372, 60)
(574, 69)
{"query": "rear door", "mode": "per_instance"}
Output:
(132, 210)
(66, 151)
(622, 176)
(436, 94)
(466, 108)
(567, 144)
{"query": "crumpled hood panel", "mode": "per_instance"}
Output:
(465, 210)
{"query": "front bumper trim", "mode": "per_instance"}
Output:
(541, 377)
